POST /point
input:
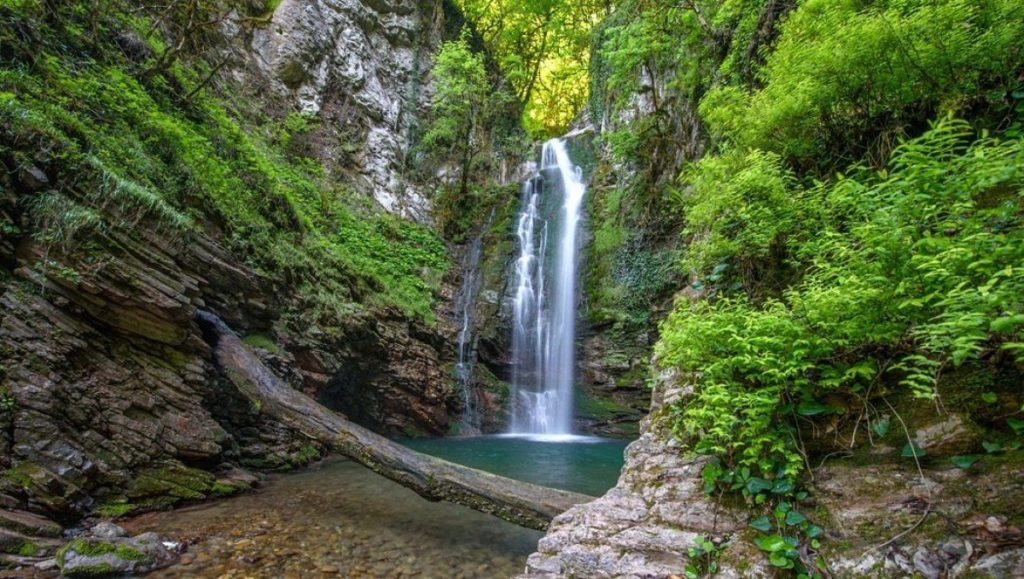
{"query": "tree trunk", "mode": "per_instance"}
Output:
(522, 503)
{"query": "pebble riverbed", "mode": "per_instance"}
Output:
(338, 519)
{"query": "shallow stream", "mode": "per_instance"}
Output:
(340, 519)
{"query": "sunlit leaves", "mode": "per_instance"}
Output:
(848, 77)
(542, 48)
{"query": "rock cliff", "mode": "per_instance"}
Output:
(882, 520)
(362, 68)
(110, 402)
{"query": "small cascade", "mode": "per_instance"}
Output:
(465, 302)
(545, 299)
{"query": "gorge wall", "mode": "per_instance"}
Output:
(256, 160)
(111, 400)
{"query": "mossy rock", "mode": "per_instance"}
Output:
(104, 557)
(305, 455)
(168, 485)
(114, 509)
(174, 480)
(29, 523)
(261, 341)
(13, 543)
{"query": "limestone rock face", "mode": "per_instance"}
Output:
(644, 525)
(946, 523)
(106, 372)
(361, 67)
(109, 399)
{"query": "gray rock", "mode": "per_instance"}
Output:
(30, 523)
(954, 434)
(107, 530)
(1006, 565)
(33, 178)
(928, 564)
(365, 58)
(643, 526)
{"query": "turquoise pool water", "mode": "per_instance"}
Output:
(586, 465)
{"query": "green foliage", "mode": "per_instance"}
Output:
(654, 60)
(124, 146)
(29, 549)
(460, 91)
(631, 266)
(848, 78)
(785, 532)
(739, 209)
(8, 402)
(703, 558)
(115, 509)
(468, 131)
(542, 50)
(916, 264)
(262, 341)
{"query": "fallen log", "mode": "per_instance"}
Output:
(518, 502)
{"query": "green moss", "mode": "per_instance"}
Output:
(29, 549)
(21, 474)
(115, 509)
(220, 489)
(261, 341)
(94, 548)
(598, 408)
(414, 431)
(20, 546)
(171, 483)
(305, 455)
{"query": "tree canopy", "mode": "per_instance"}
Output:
(543, 49)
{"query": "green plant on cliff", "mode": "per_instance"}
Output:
(848, 79)
(907, 272)
(131, 136)
(848, 237)
(458, 108)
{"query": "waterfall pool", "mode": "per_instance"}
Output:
(340, 519)
(583, 464)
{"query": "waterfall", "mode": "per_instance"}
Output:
(544, 310)
(466, 354)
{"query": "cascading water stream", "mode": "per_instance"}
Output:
(464, 305)
(544, 312)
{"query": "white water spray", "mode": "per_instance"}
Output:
(465, 301)
(544, 325)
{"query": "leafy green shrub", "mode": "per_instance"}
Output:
(850, 77)
(910, 271)
(737, 207)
